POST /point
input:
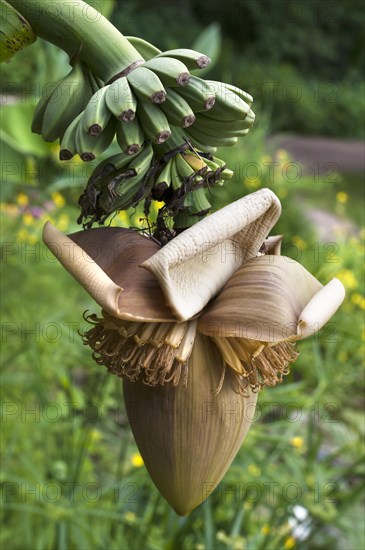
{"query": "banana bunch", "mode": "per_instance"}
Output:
(148, 105)
(152, 102)
(180, 178)
(15, 32)
(62, 102)
(147, 102)
(216, 114)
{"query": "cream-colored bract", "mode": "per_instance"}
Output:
(194, 266)
(320, 308)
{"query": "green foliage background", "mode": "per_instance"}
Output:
(72, 477)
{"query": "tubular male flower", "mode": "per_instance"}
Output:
(195, 328)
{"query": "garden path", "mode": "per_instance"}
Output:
(344, 156)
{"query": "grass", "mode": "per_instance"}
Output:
(72, 477)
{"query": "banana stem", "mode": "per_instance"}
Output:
(80, 30)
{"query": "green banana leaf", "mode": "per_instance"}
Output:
(209, 42)
(15, 130)
(105, 7)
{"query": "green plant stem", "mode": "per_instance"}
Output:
(81, 31)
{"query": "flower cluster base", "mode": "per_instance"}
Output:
(255, 364)
(157, 353)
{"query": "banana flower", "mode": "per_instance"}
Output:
(195, 329)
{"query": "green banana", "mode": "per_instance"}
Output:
(241, 93)
(206, 123)
(210, 139)
(221, 163)
(130, 136)
(183, 219)
(100, 83)
(15, 32)
(163, 181)
(183, 168)
(66, 102)
(199, 145)
(68, 147)
(199, 204)
(224, 172)
(191, 58)
(195, 178)
(211, 165)
(146, 85)
(198, 94)
(128, 189)
(172, 72)
(153, 122)
(117, 192)
(176, 179)
(177, 141)
(141, 162)
(144, 48)
(228, 105)
(120, 100)
(96, 114)
(194, 160)
(90, 146)
(177, 109)
(37, 121)
(93, 82)
(111, 165)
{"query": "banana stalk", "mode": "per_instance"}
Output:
(16, 33)
(78, 28)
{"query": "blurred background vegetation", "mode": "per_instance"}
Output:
(72, 477)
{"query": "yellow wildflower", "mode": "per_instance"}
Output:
(95, 436)
(299, 242)
(254, 470)
(265, 529)
(358, 300)
(347, 278)
(63, 222)
(58, 199)
(124, 218)
(28, 219)
(342, 197)
(137, 460)
(22, 199)
(10, 209)
(221, 535)
(297, 442)
(23, 236)
(253, 183)
(289, 543)
(130, 516)
(282, 155)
